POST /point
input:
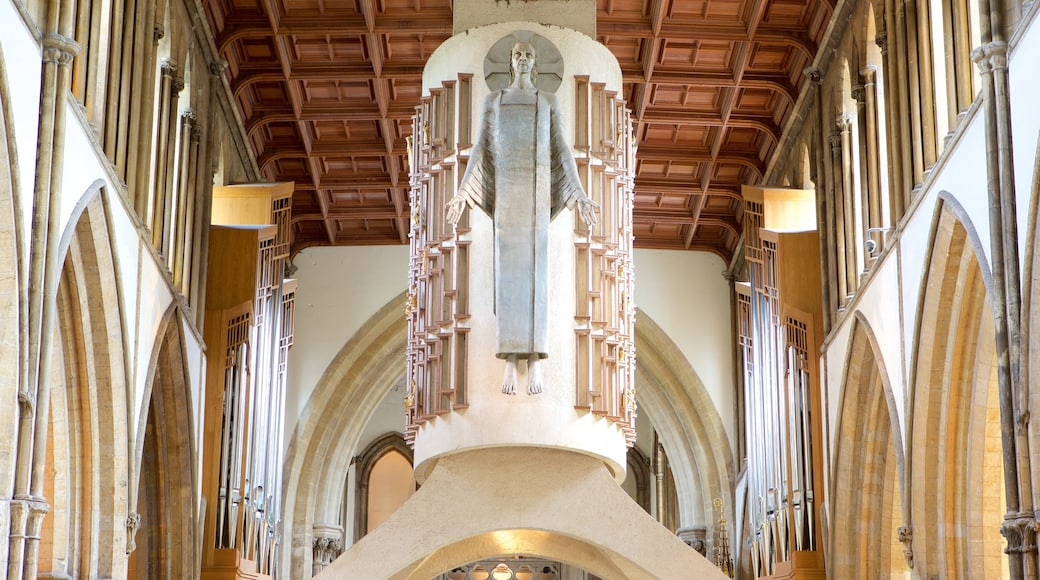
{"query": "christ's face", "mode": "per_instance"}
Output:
(523, 58)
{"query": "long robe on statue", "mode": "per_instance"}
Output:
(521, 173)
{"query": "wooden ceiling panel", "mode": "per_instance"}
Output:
(721, 10)
(770, 58)
(256, 50)
(327, 91)
(630, 9)
(756, 102)
(791, 13)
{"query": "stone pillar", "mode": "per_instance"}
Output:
(28, 506)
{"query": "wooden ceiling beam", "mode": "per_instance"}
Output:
(677, 187)
(698, 30)
(691, 78)
(346, 71)
(364, 181)
(281, 114)
(673, 217)
(683, 154)
(269, 157)
(252, 27)
(670, 116)
(350, 214)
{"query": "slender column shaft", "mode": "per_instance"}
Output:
(838, 219)
(999, 305)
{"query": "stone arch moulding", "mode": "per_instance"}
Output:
(356, 380)
(90, 326)
(330, 427)
(688, 423)
(167, 388)
(366, 461)
(866, 403)
(12, 316)
(952, 398)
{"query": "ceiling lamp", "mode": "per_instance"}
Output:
(502, 572)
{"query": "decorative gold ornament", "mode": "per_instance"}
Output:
(409, 398)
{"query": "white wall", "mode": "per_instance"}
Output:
(339, 289)
(685, 294)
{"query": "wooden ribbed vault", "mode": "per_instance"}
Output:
(326, 91)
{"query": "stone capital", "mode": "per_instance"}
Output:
(990, 57)
(1020, 532)
(868, 74)
(842, 124)
(858, 93)
(813, 74)
(881, 40)
(158, 32)
(59, 49)
(835, 139)
(167, 67)
(217, 67)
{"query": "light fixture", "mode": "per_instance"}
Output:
(502, 572)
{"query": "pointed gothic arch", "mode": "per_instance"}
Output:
(389, 443)
(330, 428)
(686, 418)
(868, 467)
(87, 449)
(164, 476)
(11, 317)
(957, 497)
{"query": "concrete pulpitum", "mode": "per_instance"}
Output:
(525, 474)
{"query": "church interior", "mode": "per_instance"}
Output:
(239, 338)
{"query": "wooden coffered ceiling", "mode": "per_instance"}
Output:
(326, 91)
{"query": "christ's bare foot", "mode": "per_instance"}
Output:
(509, 378)
(534, 375)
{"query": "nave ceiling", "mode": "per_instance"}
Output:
(327, 90)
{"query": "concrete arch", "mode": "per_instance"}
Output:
(512, 508)
(163, 481)
(689, 425)
(955, 509)
(330, 427)
(85, 533)
(868, 467)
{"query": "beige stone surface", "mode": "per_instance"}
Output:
(512, 501)
(577, 14)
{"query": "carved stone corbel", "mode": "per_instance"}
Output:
(906, 537)
(133, 522)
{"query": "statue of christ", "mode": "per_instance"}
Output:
(521, 173)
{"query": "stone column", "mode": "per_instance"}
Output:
(836, 229)
(28, 506)
(990, 58)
